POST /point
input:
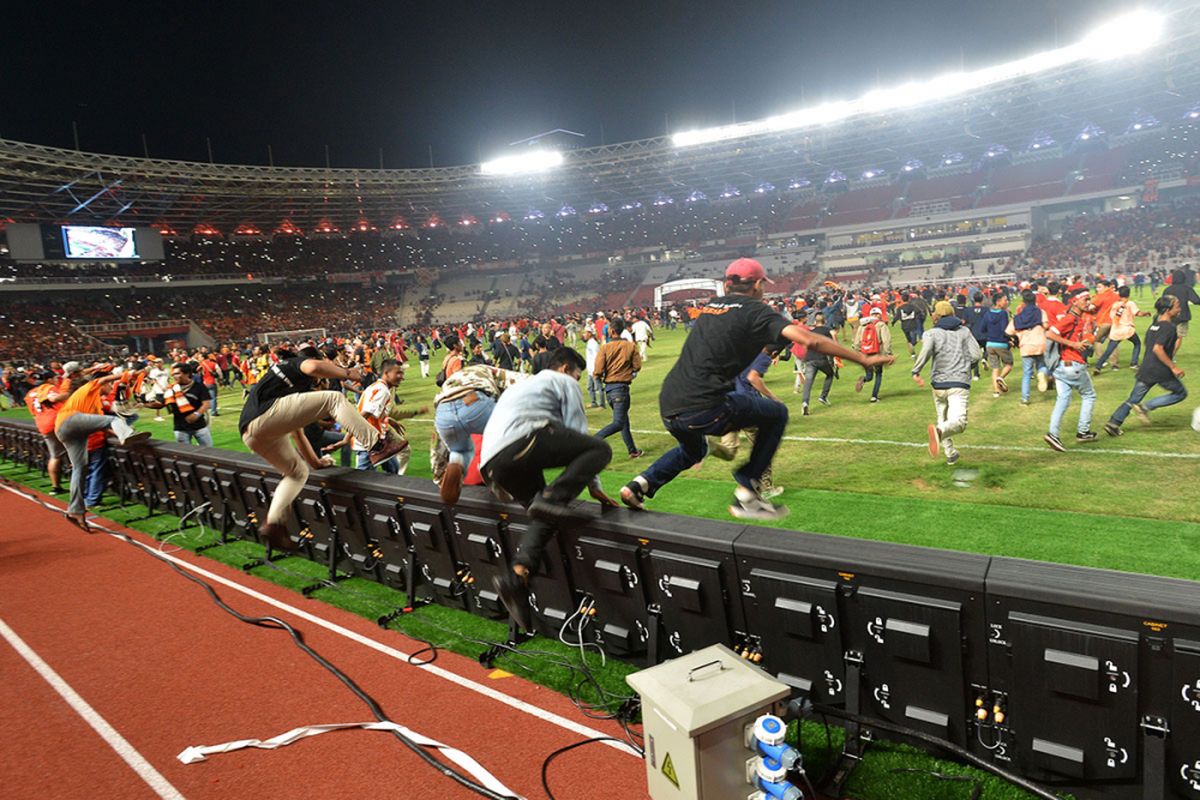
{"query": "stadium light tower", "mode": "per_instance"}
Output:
(532, 161)
(1124, 35)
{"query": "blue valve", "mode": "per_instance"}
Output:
(786, 755)
(772, 780)
(780, 791)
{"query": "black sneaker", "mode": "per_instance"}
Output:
(514, 595)
(952, 458)
(633, 496)
(1113, 429)
(1054, 442)
(55, 490)
(804, 409)
(823, 401)
(1087, 436)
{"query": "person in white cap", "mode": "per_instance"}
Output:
(698, 397)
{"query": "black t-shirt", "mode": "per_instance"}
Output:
(1152, 369)
(911, 317)
(278, 381)
(193, 396)
(812, 355)
(728, 334)
(1184, 294)
(541, 361)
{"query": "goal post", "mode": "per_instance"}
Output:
(275, 337)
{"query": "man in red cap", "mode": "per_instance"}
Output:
(698, 397)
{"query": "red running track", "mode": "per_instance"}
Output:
(166, 668)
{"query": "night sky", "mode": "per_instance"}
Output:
(469, 77)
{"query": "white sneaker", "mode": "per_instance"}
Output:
(751, 505)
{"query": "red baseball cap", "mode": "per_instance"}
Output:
(747, 269)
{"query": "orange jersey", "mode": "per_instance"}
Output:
(84, 400)
(44, 412)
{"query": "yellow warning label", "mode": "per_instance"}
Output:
(668, 769)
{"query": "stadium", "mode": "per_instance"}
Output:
(1017, 617)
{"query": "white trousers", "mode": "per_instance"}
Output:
(951, 408)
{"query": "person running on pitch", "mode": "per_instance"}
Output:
(1158, 369)
(540, 424)
(278, 407)
(952, 350)
(697, 397)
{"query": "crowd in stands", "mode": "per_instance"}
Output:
(1147, 240)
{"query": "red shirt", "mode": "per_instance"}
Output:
(1053, 308)
(1073, 329)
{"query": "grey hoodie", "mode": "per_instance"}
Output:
(953, 351)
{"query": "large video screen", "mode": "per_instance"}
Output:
(97, 243)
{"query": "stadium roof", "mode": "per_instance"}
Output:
(48, 184)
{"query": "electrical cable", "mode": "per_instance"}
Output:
(962, 753)
(550, 758)
(297, 638)
(976, 784)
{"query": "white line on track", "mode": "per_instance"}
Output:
(153, 778)
(452, 677)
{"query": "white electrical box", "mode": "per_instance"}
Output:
(695, 711)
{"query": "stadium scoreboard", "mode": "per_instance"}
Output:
(83, 243)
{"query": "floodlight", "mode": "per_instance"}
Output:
(1125, 35)
(532, 161)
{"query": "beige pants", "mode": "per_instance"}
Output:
(951, 408)
(267, 435)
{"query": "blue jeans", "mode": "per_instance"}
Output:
(738, 411)
(1072, 376)
(596, 389)
(1030, 365)
(1111, 348)
(97, 476)
(456, 421)
(1176, 393)
(203, 437)
(618, 398)
(363, 461)
(876, 374)
(212, 393)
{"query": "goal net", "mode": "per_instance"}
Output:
(276, 337)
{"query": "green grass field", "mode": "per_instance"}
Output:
(860, 470)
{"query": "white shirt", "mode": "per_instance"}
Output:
(376, 400)
(161, 378)
(641, 330)
(626, 335)
(593, 350)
